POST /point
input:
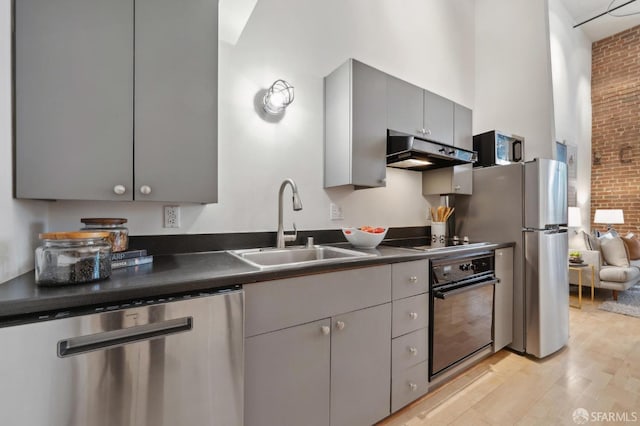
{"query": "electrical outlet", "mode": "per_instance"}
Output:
(172, 216)
(335, 212)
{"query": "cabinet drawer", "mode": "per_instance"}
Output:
(408, 350)
(408, 386)
(274, 305)
(409, 314)
(409, 279)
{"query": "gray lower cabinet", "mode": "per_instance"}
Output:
(503, 300)
(329, 372)
(287, 376)
(318, 349)
(90, 112)
(409, 385)
(457, 179)
(355, 126)
(360, 360)
(410, 332)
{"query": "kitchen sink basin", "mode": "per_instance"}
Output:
(289, 256)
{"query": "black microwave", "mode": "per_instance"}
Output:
(496, 148)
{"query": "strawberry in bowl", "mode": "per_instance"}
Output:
(365, 237)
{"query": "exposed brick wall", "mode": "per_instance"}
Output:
(615, 97)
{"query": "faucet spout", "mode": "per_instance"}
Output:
(297, 206)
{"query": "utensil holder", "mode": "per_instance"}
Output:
(438, 234)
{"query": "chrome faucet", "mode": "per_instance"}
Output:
(297, 205)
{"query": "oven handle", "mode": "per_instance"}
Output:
(444, 294)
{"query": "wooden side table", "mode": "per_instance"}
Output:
(579, 267)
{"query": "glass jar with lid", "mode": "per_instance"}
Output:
(119, 234)
(73, 257)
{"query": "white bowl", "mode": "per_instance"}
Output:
(363, 239)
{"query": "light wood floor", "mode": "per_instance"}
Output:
(598, 371)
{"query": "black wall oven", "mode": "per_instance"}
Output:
(461, 309)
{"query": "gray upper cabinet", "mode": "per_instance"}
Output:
(176, 74)
(404, 106)
(438, 118)
(81, 91)
(413, 110)
(457, 179)
(74, 98)
(355, 126)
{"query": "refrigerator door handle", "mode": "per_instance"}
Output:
(109, 339)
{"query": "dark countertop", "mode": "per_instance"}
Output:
(182, 273)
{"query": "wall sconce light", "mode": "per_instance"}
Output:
(597, 158)
(277, 97)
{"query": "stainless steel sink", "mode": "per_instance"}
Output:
(289, 256)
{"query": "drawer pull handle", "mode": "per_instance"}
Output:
(325, 330)
(340, 325)
(413, 387)
(413, 315)
(413, 350)
(145, 189)
(413, 279)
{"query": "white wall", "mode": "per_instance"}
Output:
(427, 43)
(571, 70)
(513, 87)
(20, 221)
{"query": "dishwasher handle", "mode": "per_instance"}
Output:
(110, 339)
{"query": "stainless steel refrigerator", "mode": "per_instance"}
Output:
(526, 203)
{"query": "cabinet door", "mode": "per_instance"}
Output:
(463, 138)
(355, 140)
(438, 118)
(74, 99)
(404, 106)
(503, 309)
(369, 126)
(176, 73)
(287, 375)
(360, 366)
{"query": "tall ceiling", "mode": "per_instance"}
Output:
(606, 25)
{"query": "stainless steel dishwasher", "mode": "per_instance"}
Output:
(170, 361)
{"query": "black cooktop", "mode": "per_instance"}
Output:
(425, 244)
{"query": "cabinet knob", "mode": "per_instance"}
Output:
(413, 279)
(457, 187)
(340, 325)
(325, 330)
(119, 189)
(145, 189)
(413, 350)
(427, 132)
(420, 131)
(413, 387)
(413, 315)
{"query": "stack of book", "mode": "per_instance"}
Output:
(124, 259)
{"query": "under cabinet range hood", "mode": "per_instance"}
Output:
(414, 153)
